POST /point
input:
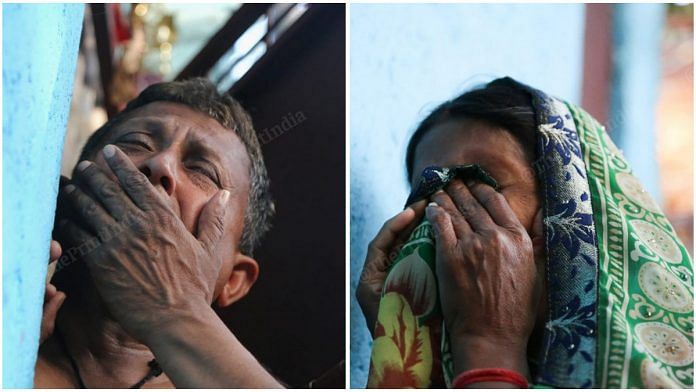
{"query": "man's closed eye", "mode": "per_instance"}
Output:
(135, 143)
(202, 171)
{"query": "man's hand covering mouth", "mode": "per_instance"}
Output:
(147, 267)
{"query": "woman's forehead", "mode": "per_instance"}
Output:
(463, 142)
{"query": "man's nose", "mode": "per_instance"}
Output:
(161, 170)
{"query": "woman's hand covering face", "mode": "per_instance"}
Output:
(488, 281)
(147, 267)
(381, 252)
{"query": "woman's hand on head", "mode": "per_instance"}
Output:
(381, 252)
(488, 282)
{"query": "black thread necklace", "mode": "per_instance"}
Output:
(155, 369)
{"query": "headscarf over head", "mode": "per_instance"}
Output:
(619, 281)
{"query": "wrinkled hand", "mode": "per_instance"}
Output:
(147, 267)
(487, 276)
(53, 299)
(381, 252)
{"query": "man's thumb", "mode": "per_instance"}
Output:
(211, 224)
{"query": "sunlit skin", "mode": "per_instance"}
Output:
(188, 159)
(477, 336)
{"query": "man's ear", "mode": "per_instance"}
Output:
(243, 276)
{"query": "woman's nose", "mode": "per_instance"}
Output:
(161, 170)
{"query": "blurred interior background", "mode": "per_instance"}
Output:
(629, 65)
(286, 64)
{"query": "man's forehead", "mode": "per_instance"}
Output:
(171, 115)
(170, 118)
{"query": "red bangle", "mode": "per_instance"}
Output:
(495, 374)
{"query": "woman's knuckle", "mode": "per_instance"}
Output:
(491, 199)
(438, 197)
(465, 209)
(497, 237)
(520, 232)
(462, 208)
(438, 216)
(456, 186)
(475, 245)
(524, 240)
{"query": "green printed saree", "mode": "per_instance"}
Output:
(619, 281)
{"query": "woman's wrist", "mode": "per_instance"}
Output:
(473, 352)
(489, 378)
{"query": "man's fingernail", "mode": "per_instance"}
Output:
(109, 150)
(69, 188)
(225, 196)
(83, 165)
(432, 204)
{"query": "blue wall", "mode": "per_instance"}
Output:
(405, 59)
(637, 39)
(40, 44)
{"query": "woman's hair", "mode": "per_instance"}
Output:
(501, 102)
(201, 95)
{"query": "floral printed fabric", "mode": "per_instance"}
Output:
(410, 348)
(619, 281)
(406, 352)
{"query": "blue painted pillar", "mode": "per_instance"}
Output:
(637, 38)
(40, 46)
